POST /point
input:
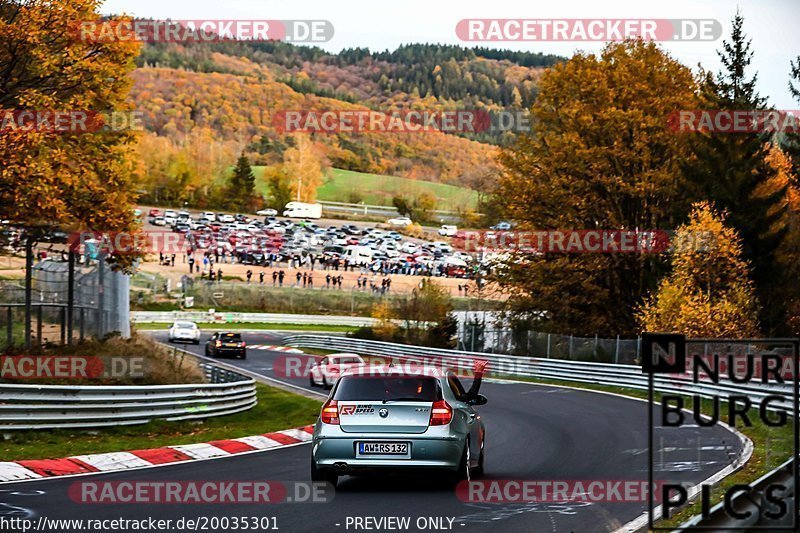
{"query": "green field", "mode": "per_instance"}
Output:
(375, 189)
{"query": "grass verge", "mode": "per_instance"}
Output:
(275, 410)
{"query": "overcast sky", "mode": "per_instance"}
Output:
(380, 25)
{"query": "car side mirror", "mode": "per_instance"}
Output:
(480, 399)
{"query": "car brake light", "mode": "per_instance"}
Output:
(330, 413)
(243, 344)
(441, 413)
(218, 344)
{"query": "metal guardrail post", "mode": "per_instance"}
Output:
(548, 346)
(616, 352)
(82, 333)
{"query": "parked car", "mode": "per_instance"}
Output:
(154, 213)
(226, 343)
(184, 331)
(269, 212)
(328, 369)
(502, 226)
(159, 221)
(399, 221)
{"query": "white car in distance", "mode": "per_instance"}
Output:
(399, 222)
(328, 369)
(448, 231)
(184, 331)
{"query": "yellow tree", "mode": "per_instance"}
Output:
(63, 178)
(304, 167)
(709, 292)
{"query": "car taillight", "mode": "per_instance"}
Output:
(243, 344)
(330, 413)
(441, 413)
(218, 343)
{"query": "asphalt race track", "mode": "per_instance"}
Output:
(534, 432)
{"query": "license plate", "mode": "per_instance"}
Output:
(384, 448)
(231, 344)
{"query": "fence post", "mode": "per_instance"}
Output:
(70, 296)
(570, 347)
(82, 333)
(548, 346)
(63, 326)
(638, 347)
(39, 327)
(594, 352)
(616, 352)
(10, 327)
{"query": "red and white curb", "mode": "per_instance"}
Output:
(110, 462)
(287, 349)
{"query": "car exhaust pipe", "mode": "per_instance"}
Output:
(340, 467)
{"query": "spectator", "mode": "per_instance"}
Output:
(261, 278)
(281, 274)
(298, 276)
(219, 275)
(339, 280)
(327, 281)
(274, 277)
(249, 275)
(305, 279)
(310, 280)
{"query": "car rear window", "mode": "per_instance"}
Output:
(184, 325)
(379, 388)
(345, 360)
(231, 336)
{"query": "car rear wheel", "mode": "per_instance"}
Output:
(325, 384)
(479, 469)
(311, 381)
(325, 475)
(464, 472)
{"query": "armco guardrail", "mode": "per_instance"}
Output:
(145, 317)
(536, 367)
(25, 407)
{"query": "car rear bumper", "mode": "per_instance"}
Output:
(339, 453)
(231, 352)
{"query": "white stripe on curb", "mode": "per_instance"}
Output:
(298, 434)
(113, 461)
(13, 471)
(200, 451)
(258, 442)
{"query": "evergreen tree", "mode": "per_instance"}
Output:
(791, 140)
(729, 169)
(242, 185)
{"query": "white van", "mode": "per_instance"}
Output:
(302, 210)
(358, 255)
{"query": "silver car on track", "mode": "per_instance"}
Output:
(390, 419)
